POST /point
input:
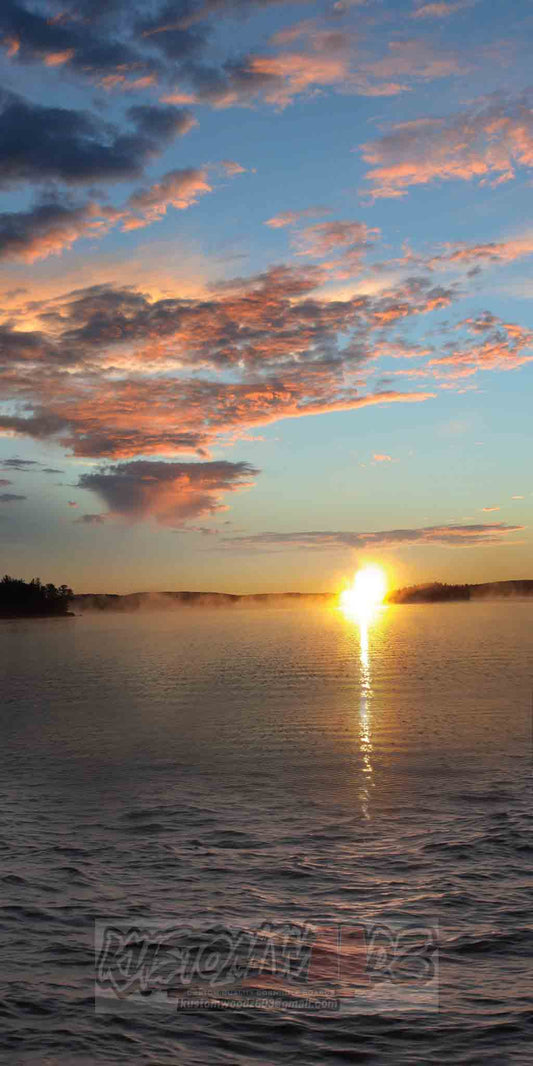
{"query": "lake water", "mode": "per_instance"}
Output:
(239, 767)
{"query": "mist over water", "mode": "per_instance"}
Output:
(244, 767)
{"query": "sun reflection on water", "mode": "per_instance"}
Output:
(361, 606)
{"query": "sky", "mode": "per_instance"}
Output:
(266, 275)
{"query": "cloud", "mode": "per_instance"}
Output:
(231, 168)
(178, 188)
(324, 238)
(379, 457)
(493, 345)
(18, 464)
(53, 225)
(290, 218)
(410, 60)
(488, 143)
(40, 143)
(48, 228)
(108, 43)
(91, 520)
(452, 535)
(441, 9)
(172, 493)
(10, 497)
(311, 57)
(344, 242)
(124, 47)
(5, 481)
(116, 373)
(67, 40)
(486, 253)
(120, 45)
(490, 508)
(72, 503)
(276, 78)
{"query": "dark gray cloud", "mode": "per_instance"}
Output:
(35, 36)
(454, 535)
(167, 31)
(18, 464)
(39, 143)
(90, 520)
(18, 347)
(170, 492)
(120, 40)
(10, 497)
(46, 228)
(40, 425)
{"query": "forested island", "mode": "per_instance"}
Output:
(437, 592)
(32, 599)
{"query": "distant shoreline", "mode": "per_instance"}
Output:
(432, 592)
(19, 617)
(435, 592)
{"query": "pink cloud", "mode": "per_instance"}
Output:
(51, 227)
(115, 374)
(232, 168)
(311, 57)
(179, 189)
(494, 345)
(482, 254)
(290, 218)
(324, 238)
(440, 9)
(451, 535)
(126, 83)
(487, 142)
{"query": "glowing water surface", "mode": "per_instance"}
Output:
(247, 766)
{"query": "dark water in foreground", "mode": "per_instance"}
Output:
(242, 767)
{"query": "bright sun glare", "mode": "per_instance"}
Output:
(366, 592)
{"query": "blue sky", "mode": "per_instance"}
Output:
(266, 281)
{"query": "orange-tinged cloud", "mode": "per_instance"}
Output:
(179, 189)
(451, 535)
(488, 142)
(126, 84)
(113, 373)
(52, 226)
(290, 218)
(440, 9)
(172, 493)
(494, 345)
(57, 59)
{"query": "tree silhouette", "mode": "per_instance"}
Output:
(26, 599)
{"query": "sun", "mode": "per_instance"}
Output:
(366, 592)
